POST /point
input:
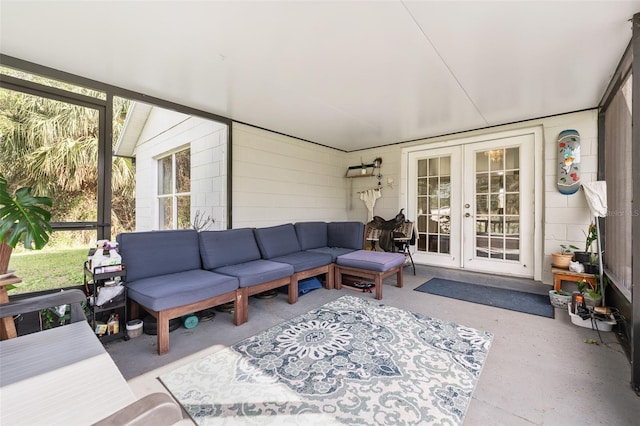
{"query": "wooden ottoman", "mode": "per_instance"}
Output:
(374, 265)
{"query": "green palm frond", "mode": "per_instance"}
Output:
(23, 217)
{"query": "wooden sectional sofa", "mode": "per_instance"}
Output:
(174, 273)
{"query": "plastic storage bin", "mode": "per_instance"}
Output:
(134, 328)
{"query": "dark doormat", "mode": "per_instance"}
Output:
(529, 303)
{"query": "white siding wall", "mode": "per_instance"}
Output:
(166, 132)
(278, 179)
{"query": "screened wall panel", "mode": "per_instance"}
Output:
(618, 174)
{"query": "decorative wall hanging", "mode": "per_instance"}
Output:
(568, 162)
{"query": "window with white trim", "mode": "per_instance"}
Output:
(174, 190)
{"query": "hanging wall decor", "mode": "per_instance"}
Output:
(568, 162)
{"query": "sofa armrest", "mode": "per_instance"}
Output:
(156, 409)
(73, 297)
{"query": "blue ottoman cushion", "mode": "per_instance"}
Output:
(371, 260)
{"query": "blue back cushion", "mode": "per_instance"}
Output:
(345, 235)
(228, 247)
(148, 254)
(311, 234)
(277, 241)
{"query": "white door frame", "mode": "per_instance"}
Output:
(538, 178)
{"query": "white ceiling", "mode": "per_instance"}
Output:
(346, 74)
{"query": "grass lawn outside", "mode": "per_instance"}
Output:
(48, 269)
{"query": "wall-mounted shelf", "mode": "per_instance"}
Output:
(359, 171)
(364, 170)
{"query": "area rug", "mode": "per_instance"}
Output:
(352, 361)
(529, 303)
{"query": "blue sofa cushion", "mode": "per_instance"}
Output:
(257, 271)
(277, 241)
(172, 290)
(154, 253)
(303, 260)
(371, 260)
(311, 234)
(333, 251)
(345, 234)
(227, 247)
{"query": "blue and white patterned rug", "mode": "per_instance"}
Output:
(352, 361)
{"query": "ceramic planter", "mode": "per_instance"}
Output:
(561, 260)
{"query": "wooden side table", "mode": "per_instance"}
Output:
(7, 326)
(564, 274)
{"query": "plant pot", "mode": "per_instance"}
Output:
(592, 301)
(5, 257)
(591, 269)
(582, 256)
(559, 299)
(561, 261)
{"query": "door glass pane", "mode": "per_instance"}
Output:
(422, 223)
(497, 199)
(422, 168)
(422, 205)
(433, 167)
(512, 249)
(445, 166)
(434, 204)
(444, 192)
(482, 162)
(423, 186)
(512, 158)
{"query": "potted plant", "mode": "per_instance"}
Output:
(587, 257)
(592, 296)
(563, 258)
(24, 219)
(559, 299)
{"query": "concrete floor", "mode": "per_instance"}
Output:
(539, 371)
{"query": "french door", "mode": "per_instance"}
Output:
(474, 205)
